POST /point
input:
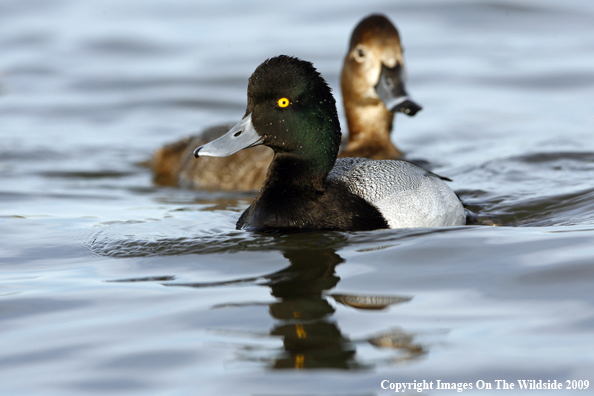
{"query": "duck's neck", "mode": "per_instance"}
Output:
(288, 172)
(291, 185)
(370, 125)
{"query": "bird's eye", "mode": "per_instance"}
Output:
(360, 53)
(283, 102)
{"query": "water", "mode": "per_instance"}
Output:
(112, 284)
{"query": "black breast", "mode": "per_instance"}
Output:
(295, 209)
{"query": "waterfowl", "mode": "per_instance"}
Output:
(290, 108)
(372, 82)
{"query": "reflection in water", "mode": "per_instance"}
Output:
(311, 339)
(304, 315)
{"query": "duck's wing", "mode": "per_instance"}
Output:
(374, 179)
(406, 195)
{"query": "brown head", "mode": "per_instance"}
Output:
(372, 83)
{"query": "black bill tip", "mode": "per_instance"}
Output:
(407, 107)
(196, 152)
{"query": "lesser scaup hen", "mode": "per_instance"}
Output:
(291, 110)
(372, 83)
(373, 89)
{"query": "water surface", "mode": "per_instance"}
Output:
(111, 284)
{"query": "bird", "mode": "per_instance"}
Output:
(291, 109)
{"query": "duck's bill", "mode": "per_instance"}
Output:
(241, 136)
(390, 89)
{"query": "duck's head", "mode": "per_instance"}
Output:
(373, 68)
(290, 109)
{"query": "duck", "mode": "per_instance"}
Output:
(372, 83)
(291, 109)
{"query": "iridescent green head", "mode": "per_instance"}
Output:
(290, 109)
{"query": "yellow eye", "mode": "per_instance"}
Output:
(283, 102)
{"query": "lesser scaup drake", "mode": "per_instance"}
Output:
(372, 78)
(291, 110)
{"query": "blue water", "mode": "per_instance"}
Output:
(111, 284)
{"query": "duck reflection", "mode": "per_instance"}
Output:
(303, 313)
(311, 338)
